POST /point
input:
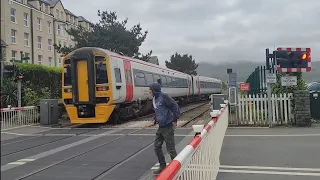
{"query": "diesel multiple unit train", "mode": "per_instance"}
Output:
(99, 86)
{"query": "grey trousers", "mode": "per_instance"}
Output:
(165, 134)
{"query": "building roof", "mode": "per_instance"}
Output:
(80, 19)
(69, 12)
(51, 2)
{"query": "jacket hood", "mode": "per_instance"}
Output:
(156, 89)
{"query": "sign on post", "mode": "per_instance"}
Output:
(289, 81)
(244, 86)
(232, 96)
(271, 78)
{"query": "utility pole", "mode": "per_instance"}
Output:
(269, 89)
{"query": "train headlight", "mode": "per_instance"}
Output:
(103, 88)
(68, 90)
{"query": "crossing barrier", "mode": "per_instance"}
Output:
(200, 159)
(19, 116)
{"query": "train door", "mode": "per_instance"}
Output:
(82, 80)
(198, 85)
(189, 86)
(117, 88)
(129, 85)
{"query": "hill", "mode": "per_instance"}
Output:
(245, 68)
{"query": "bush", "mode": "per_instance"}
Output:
(39, 82)
(9, 93)
(37, 77)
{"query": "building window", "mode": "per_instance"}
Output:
(13, 36)
(58, 29)
(50, 61)
(13, 15)
(26, 39)
(49, 44)
(25, 19)
(61, 14)
(39, 42)
(40, 6)
(46, 8)
(57, 13)
(39, 23)
(49, 27)
(59, 62)
(14, 54)
(39, 59)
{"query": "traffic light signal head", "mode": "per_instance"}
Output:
(293, 59)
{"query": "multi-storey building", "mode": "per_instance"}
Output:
(31, 28)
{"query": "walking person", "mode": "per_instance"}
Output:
(167, 112)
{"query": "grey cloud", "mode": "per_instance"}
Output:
(216, 31)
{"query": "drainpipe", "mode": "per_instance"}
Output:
(32, 40)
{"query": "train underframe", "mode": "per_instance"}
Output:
(126, 111)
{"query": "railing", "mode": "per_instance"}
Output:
(253, 109)
(19, 116)
(199, 160)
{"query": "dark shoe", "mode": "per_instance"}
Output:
(159, 170)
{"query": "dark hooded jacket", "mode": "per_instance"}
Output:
(166, 110)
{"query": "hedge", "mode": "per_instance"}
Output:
(37, 77)
(39, 82)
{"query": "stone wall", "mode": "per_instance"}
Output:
(301, 109)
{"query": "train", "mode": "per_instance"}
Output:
(100, 86)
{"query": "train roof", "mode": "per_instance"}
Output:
(110, 53)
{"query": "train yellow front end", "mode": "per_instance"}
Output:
(87, 86)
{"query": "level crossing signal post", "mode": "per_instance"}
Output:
(285, 60)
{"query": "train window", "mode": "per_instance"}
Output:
(174, 82)
(149, 78)
(67, 76)
(99, 59)
(139, 79)
(185, 83)
(117, 73)
(156, 77)
(163, 80)
(101, 74)
(169, 81)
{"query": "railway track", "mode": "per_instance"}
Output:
(142, 121)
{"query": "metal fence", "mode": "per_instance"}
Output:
(17, 117)
(199, 160)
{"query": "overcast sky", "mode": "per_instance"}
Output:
(215, 31)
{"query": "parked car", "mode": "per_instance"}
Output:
(314, 86)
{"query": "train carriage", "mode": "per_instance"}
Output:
(99, 85)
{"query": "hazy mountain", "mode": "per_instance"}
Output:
(244, 69)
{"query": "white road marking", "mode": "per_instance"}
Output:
(18, 134)
(270, 172)
(269, 168)
(271, 135)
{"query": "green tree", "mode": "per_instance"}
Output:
(183, 64)
(110, 34)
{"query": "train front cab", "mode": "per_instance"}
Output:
(86, 90)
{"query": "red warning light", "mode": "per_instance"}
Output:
(99, 88)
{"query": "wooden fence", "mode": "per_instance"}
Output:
(253, 109)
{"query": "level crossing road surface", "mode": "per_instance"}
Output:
(276, 153)
(38, 153)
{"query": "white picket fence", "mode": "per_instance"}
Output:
(253, 109)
